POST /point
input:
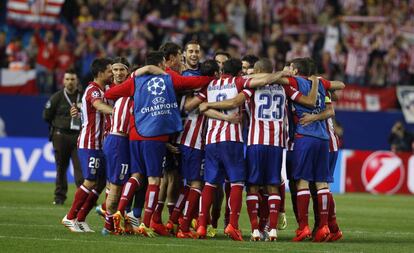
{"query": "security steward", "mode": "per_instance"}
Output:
(63, 132)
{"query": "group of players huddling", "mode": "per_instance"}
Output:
(205, 128)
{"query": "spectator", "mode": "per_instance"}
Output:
(3, 56)
(400, 139)
(16, 55)
(45, 62)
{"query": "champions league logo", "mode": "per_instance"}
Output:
(156, 86)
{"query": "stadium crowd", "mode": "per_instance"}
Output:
(362, 42)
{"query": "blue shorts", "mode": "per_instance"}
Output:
(92, 163)
(311, 159)
(289, 164)
(192, 163)
(224, 159)
(333, 156)
(264, 164)
(116, 150)
(147, 157)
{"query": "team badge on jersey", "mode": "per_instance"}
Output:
(96, 94)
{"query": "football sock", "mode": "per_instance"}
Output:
(156, 217)
(333, 225)
(80, 197)
(252, 203)
(206, 201)
(274, 207)
(87, 206)
(282, 194)
(190, 208)
(179, 205)
(323, 206)
(302, 198)
(151, 198)
(127, 193)
(236, 199)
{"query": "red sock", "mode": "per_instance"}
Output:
(302, 200)
(151, 198)
(80, 197)
(103, 206)
(170, 207)
(282, 194)
(109, 221)
(263, 211)
(293, 197)
(179, 205)
(127, 193)
(252, 203)
(274, 207)
(236, 199)
(227, 189)
(190, 208)
(156, 217)
(314, 196)
(323, 206)
(206, 200)
(216, 208)
(333, 225)
(87, 206)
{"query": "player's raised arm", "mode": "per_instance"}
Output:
(225, 104)
(337, 85)
(102, 106)
(149, 69)
(259, 80)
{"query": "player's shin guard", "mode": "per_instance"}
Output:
(293, 196)
(103, 206)
(151, 198)
(127, 193)
(236, 199)
(109, 221)
(179, 205)
(87, 206)
(252, 203)
(282, 192)
(156, 217)
(263, 210)
(314, 195)
(274, 207)
(333, 225)
(323, 206)
(81, 195)
(227, 190)
(206, 200)
(190, 208)
(302, 199)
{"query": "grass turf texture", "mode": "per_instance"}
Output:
(30, 223)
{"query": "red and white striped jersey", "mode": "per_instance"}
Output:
(267, 108)
(333, 138)
(93, 121)
(191, 136)
(123, 110)
(226, 87)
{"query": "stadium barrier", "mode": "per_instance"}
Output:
(377, 172)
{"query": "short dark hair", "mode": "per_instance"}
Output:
(191, 42)
(170, 48)
(71, 71)
(264, 65)
(302, 65)
(222, 53)
(251, 59)
(232, 67)
(154, 58)
(122, 60)
(312, 67)
(209, 68)
(99, 65)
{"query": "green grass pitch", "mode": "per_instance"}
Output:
(30, 223)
